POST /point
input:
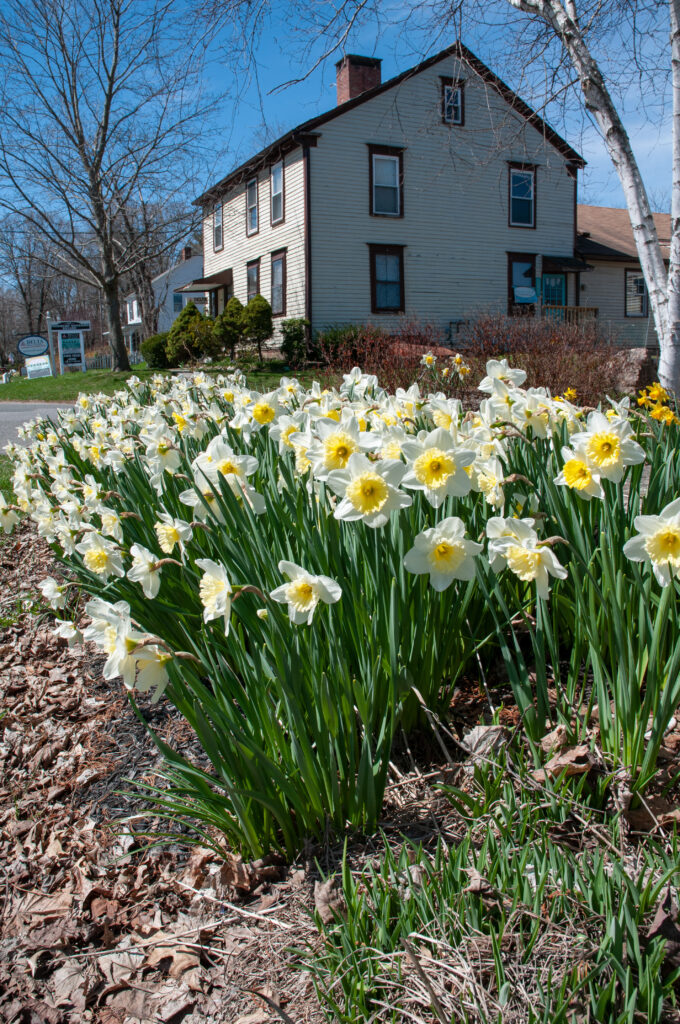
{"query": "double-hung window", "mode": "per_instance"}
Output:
(522, 196)
(386, 177)
(252, 279)
(217, 226)
(177, 304)
(278, 283)
(387, 278)
(636, 294)
(452, 102)
(252, 222)
(277, 192)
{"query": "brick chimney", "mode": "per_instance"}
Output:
(355, 75)
(186, 252)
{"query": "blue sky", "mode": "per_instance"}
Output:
(267, 107)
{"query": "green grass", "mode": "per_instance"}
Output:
(6, 468)
(67, 387)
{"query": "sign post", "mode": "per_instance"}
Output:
(71, 349)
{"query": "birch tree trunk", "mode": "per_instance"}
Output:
(669, 363)
(663, 285)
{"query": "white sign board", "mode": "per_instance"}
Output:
(38, 366)
(33, 345)
(71, 351)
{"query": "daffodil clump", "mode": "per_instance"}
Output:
(298, 570)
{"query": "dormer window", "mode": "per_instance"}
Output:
(453, 111)
(252, 223)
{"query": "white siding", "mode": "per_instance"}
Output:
(455, 223)
(166, 284)
(239, 248)
(605, 287)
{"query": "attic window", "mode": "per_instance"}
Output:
(452, 102)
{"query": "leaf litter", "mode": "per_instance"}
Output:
(94, 929)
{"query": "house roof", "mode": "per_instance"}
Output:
(605, 233)
(305, 132)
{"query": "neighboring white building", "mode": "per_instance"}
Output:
(437, 195)
(615, 285)
(168, 295)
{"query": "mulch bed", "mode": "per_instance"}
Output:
(91, 929)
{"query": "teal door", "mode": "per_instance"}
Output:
(554, 289)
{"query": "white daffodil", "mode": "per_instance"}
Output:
(608, 446)
(489, 475)
(498, 369)
(144, 570)
(499, 530)
(579, 474)
(444, 553)
(428, 359)
(100, 555)
(529, 558)
(53, 593)
(152, 673)
(8, 517)
(215, 591)
(369, 490)
(171, 532)
(68, 631)
(304, 591)
(658, 542)
(111, 524)
(336, 443)
(436, 466)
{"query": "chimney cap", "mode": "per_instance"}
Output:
(357, 59)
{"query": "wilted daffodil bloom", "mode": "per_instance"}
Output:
(215, 591)
(658, 542)
(444, 553)
(304, 591)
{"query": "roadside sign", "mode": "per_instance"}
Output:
(71, 350)
(33, 345)
(38, 366)
(70, 325)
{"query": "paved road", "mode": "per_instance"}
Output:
(13, 414)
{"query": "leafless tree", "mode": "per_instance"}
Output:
(151, 230)
(101, 111)
(562, 54)
(25, 268)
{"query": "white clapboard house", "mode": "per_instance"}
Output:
(170, 297)
(437, 195)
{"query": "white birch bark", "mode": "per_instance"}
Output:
(669, 363)
(663, 286)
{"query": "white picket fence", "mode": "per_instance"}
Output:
(102, 360)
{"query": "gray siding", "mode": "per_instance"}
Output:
(605, 287)
(455, 223)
